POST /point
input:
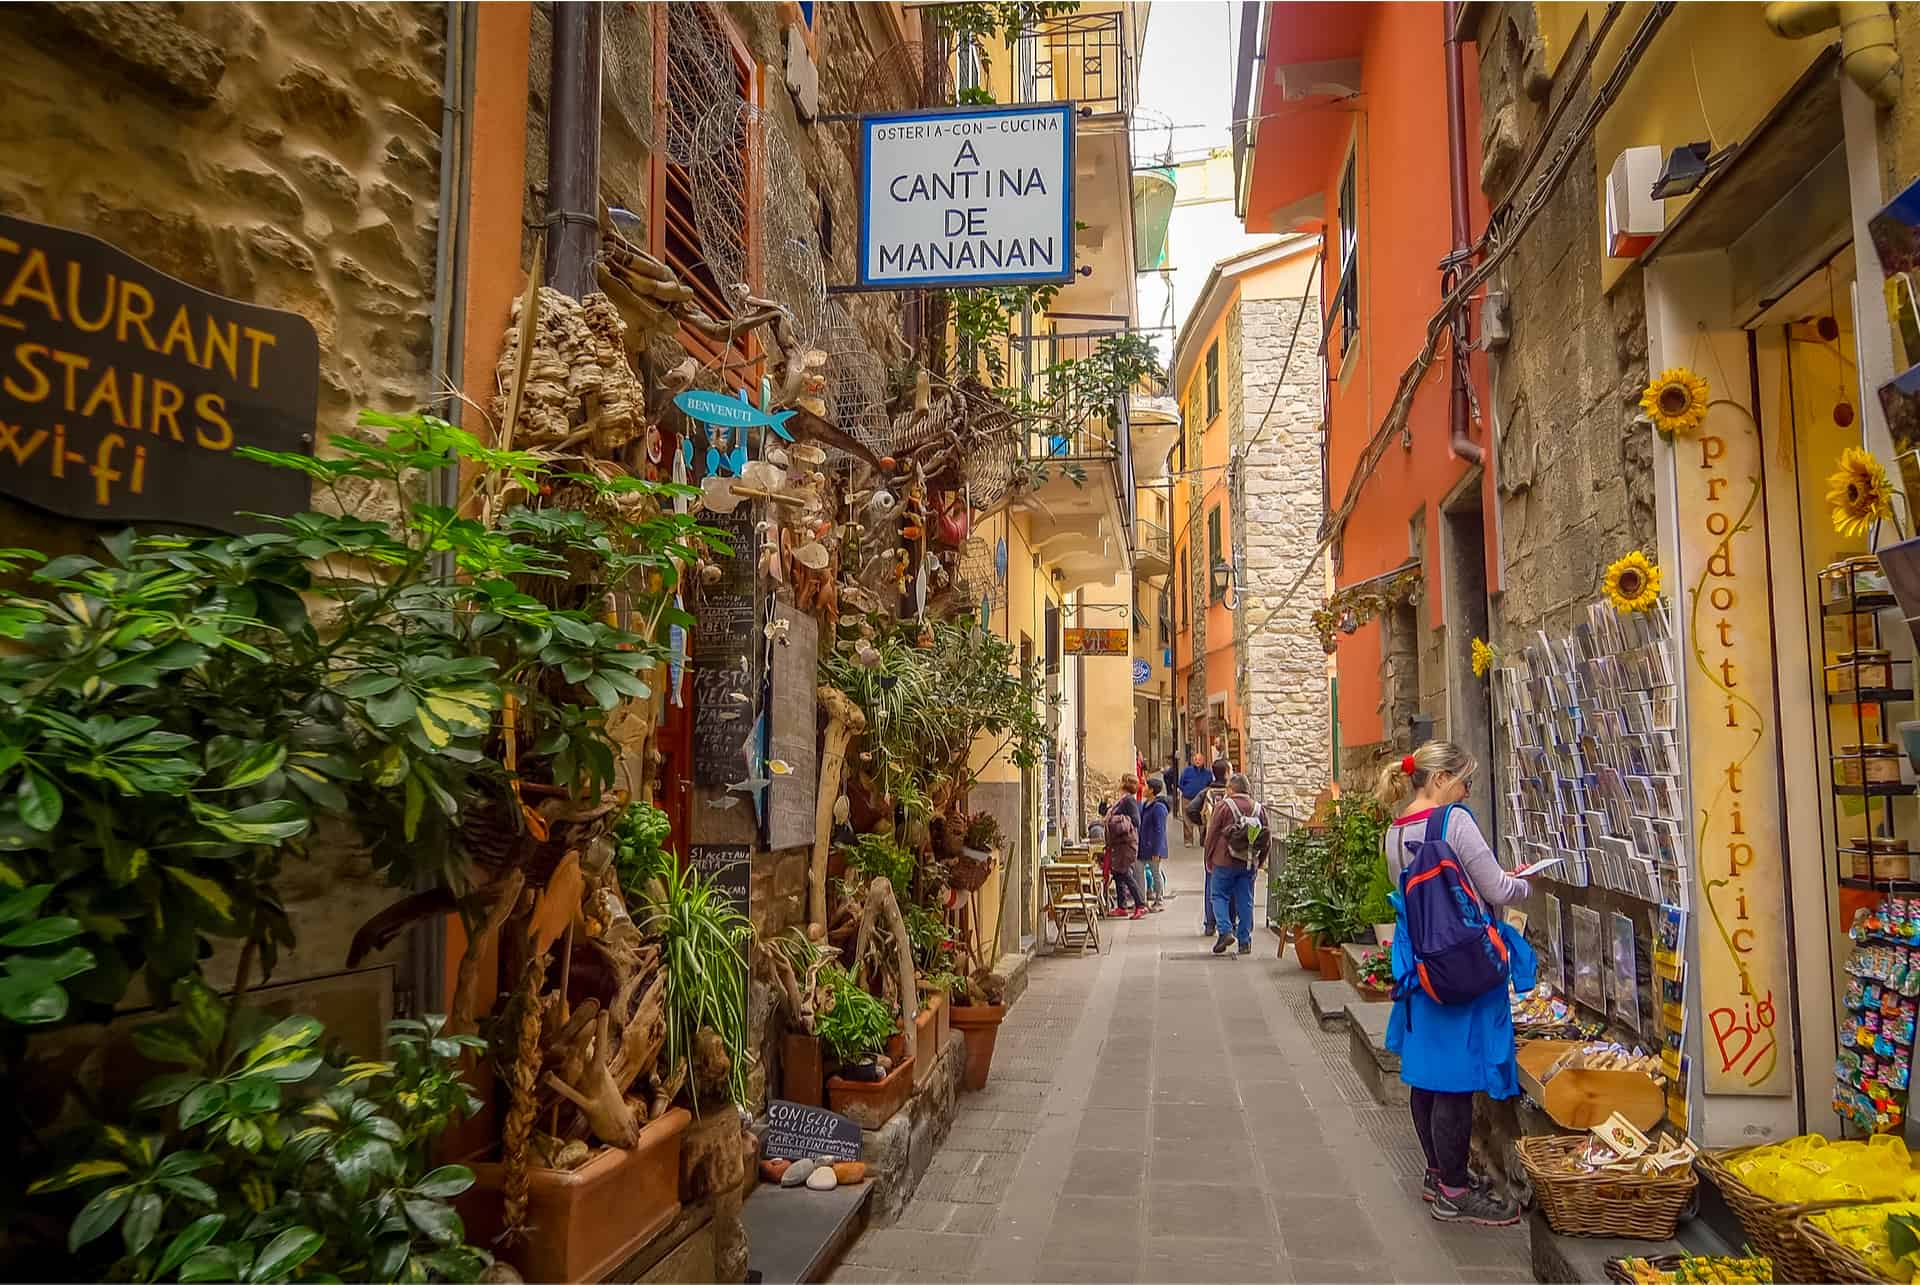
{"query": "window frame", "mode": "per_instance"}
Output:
(1346, 299)
(1213, 382)
(1216, 551)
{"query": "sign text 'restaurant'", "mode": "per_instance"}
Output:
(968, 197)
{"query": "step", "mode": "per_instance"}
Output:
(1330, 1000)
(1582, 1260)
(795, 1235)
(1378, 1069)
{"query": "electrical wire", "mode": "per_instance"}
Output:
(1505, 226)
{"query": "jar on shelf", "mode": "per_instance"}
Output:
(1868, 669)
(1873, 856)
(1871, 763)
(1851, 579)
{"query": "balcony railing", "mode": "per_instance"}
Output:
(1077, 427)
(1077, 58)
(1151, 538)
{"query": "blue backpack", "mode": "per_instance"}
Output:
(1457, 949)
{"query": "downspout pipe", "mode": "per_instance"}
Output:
(573, 149)
(1458, 412)
(1868, 54)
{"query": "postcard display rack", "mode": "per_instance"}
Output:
(1863, 682)
(1593, 755)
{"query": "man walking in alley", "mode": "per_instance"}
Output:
(1237, 844)
(1194, 780)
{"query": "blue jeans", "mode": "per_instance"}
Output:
(1230, 894)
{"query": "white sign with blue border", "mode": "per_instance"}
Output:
(971, 196)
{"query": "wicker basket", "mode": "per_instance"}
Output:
(967, 872)
(1767, 1222)
(1617, 1271)
(1821, 1257)
(1637, 1206)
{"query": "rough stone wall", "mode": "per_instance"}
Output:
(1574, 468)
(284, 154)
(1276, 520)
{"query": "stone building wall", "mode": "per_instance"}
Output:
(1276, 519)
(283, 154)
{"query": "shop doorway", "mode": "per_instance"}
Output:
(1463, 546)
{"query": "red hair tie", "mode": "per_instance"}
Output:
(1406, 765)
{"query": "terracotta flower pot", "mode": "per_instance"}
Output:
(980, 1024)
(871, 1105)
(803, 1070)
(1331, 958)
(929, 1026)
(582, 1223)
(1303, 949)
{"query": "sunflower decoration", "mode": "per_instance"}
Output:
(1858, 493)
(1632, 583)
(1676, 402)
(1484, 656)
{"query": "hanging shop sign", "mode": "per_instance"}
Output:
(1097, 642)
(125, 393)
(1142, 673)
(1734, 759)
(967, 197)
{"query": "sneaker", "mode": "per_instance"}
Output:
(1155, 908)
(1139, 912)
(1117, 913)
(1246, 948)
(1221, 943)
(1430, 1185)
(1475, 1205)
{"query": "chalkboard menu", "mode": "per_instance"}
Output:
(791, 701)
(727, 866)
(796, 1132)
(725, 683)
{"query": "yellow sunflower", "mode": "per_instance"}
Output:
(1483, 657)
(1632, 583)
(1676, 402)
(1858, 492)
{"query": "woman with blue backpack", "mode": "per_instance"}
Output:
(1453, 960)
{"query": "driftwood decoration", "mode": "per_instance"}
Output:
(504, 897)
(844, 722)
(880, 900)
(600, 1098)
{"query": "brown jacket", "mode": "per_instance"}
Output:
(1214, 845)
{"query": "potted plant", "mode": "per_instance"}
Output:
(854, 1025)
(1374, 975)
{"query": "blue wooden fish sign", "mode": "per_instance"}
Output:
(727, 412)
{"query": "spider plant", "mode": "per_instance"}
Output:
(703, 943)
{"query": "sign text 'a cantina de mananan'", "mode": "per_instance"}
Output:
(124, 392)
(967, 197)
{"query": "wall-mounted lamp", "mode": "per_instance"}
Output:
(1224, 589)
(1687, 168)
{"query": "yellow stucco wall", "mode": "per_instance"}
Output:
(1712, 72)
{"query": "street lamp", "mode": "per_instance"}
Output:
(1224, 588)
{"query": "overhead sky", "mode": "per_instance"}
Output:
(1186, 81)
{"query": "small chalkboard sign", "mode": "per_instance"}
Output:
(727, 866)
(722, 722)
(796, 1132)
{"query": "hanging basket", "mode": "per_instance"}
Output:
(969, 870)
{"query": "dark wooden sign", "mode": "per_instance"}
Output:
(125, 392)
(727, 866)
(723, 720)
(726, 681)
(796, 1132)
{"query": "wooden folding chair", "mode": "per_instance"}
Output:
(1073, 904)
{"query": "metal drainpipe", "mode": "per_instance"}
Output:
(1457, 406)
(573, 149)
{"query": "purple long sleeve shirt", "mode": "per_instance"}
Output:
(1495, 886)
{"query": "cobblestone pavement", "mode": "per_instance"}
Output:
(1162, 1114)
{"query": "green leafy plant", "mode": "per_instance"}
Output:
(944, 982)
(703, 941)
(261, 1160)
(640, 836)
(175, 713)
(929, 936)
(878, 857)
(854, 1025)
(983, 832)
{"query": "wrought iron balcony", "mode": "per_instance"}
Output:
(1077, 58)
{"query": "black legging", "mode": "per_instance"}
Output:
(1126, 879)
(1444, 1122)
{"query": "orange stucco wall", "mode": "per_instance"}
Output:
(1399, 134)
(1190, 531)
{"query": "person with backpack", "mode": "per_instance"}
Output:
(1453, 960)
(1123, 854)
(1153, 844)
(1237, 844)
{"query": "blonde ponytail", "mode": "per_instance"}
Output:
(1416, 769)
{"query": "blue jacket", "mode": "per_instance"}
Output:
(1153, 828)
(1456, 1048)
(1194, 781)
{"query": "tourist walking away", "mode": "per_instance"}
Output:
(1237, 844)
(1453, 957)
(1153, 843)
(1222, 767)
(1123, 854)
(1194, 780)
(1170, 779)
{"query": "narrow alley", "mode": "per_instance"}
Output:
(1164, 1114)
